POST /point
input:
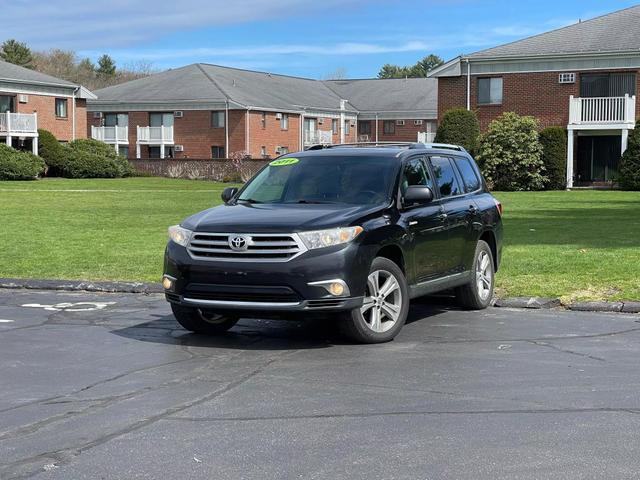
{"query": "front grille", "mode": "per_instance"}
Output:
(245, 297)
(257, 247)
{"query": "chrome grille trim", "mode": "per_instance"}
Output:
(262, 247)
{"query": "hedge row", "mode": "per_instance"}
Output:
(19, 165)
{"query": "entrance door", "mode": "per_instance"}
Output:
(309, 129)
(598, 158)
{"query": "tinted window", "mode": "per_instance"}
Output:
(468, 173)
(445, 177)
(415, 173)
(341, 179)
(490, 91)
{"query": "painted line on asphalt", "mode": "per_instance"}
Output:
(2, 320)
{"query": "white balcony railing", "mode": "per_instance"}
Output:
(155, 135)
(19, 123)
(315, 137)
(111, 134)
(426, 137)
(602, 110)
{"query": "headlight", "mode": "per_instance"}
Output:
(329, 238)
(179, 235)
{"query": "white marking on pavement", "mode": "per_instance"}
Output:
(6, 321)
(71, 307)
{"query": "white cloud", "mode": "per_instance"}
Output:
(92, 24)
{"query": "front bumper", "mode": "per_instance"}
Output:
(259, 288)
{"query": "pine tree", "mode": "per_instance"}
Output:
(17, 53)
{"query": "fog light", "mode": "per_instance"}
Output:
(167, 283)
(336, 289)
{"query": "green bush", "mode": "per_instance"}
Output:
(459, 127)
(510, 154)
(88, 158)
(630, 163)
(18, 165)
(554, 156)
(50, 150)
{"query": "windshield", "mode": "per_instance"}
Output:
(321, 179)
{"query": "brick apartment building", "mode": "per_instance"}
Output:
(582, 77)
(205, 111)
(30, 100)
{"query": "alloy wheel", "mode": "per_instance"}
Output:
(484, 275)
(383, 301)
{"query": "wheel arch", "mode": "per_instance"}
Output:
(490, 238)
(394, 253)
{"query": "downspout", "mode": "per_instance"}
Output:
(247, 120)
(342, 119)
(226, 128)
(376, 127)
(73, 114)
(468, 85)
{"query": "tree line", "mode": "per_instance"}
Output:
(67, 65)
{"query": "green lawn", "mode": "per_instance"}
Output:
(577, 245)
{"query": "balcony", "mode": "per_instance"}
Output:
(111, 135)
(18, 124)
(602, 112)
(155, 135)
(317, 137)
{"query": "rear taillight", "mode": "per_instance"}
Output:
(498, 206)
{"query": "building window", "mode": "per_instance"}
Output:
(263, 120)
(116, 119)
(389, 127)
(161, 119)
(263, 152)
(282, 150)
(364, 128)
(284, 121)
(217, 152)
(123, 151)
(347, 125)
(61, 107)
(607, 84)
(7, 102)
(217, 119)
(334, 126)
(490, 91)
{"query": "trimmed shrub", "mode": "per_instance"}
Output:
(50, 150)
(88, 158)
(630, 163)
(19, 165)
(459, 127)
(510, 154)
(554, 156)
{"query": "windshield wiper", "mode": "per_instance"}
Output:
(310, 201)
(249, 200)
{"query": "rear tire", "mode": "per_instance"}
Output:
(385, 306)
(478, 293)
(194, 320)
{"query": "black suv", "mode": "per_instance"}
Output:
(347, 231)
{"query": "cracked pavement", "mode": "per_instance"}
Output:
(121, 391)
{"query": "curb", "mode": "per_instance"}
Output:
(77, 285)
(533, 303)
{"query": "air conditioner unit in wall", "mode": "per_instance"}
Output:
(278, 116)
(400, 122)
(178, 148)
(417, 122)
(320, 121)
(97, 114)
(178, 114)
(22, 98)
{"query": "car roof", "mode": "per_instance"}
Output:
(388, 150)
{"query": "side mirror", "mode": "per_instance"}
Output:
(417, 194)
(228, 193)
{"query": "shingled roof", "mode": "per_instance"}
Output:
(615, 32)
(15, 73)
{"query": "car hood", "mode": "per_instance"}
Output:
(277, 218)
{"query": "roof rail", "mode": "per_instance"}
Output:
(363, 144)
(445, 146)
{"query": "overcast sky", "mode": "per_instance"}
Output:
(297, 37)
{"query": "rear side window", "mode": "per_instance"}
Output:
(446, 179)
(468, 173)
(415, 173)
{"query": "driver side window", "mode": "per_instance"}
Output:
(415, 173)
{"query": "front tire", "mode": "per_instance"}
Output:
(197, 321)
(385, 307)
(478, 293)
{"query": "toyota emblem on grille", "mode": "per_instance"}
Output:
(239, 243)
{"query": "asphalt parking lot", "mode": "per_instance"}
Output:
(101, 386)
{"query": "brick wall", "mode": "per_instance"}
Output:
(538, 94)
(62, 128)
(402, 133)
(265, 130)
